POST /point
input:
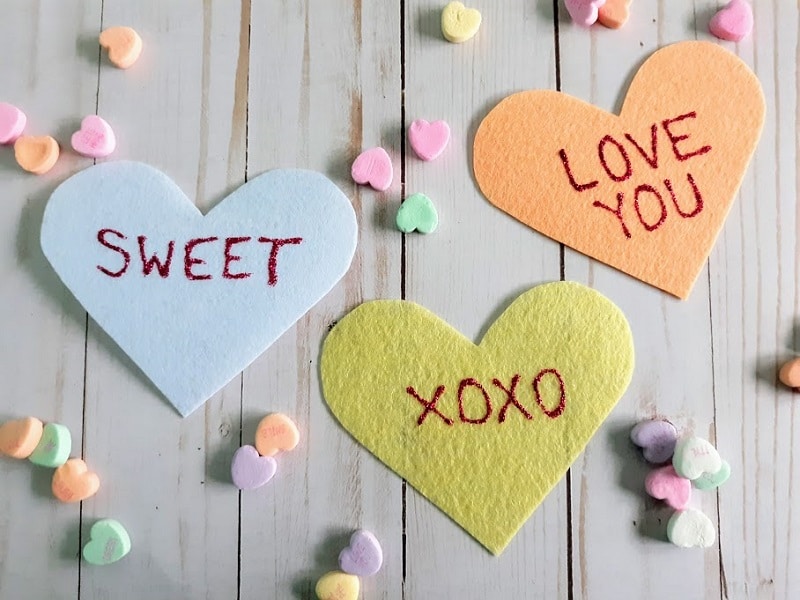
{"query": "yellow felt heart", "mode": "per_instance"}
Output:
(486, 431)
(459, 23)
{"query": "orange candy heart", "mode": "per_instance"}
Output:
(18, 439)
(614, 13)
(36, 154)
(275, 433)
(73, 481)
(123, 44)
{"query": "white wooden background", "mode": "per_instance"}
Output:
(227, 90)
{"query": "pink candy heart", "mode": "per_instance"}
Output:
(428, 140)
(12, 123)
(95, 138)
(363, 557)
(250, 470)
(665, 484)
(733, 22)
(584, 12)
(373, 167)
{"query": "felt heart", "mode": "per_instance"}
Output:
(646, 192)
(428, 140)
(373, 167)
(123, 44)
(95, 138)
(733, 22)
(337, 586)
(108, 542)
(73, 481)
(614, 13)
(418, 213)
(36, 154)
(364, 555)
(460, 23)
(665, 484)
(484, 432)
(194, 299)
(584, 12)
(54, 447)
(656, 439)
(691, 529)
(694, 456)
(250, 470)
(12, 123)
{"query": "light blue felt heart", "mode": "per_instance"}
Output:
(221, 288)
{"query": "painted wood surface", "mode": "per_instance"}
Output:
(227, 90)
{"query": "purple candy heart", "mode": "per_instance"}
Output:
(657, 440)
(250, 470)
(363, 556)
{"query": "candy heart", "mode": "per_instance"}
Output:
(191, 299)
(276, 433)
(95, 138)
(614, 13)
(695, 456)
(54, 447)
(373, 167)
(561, 165)
(73, 481)
(460, 23)
(338, 586)
(417, 212)
(665, 484)
(108, 542)
(484, 432)
(428, 140)
(710, 481)
(12, 123)
(691, 529)
(363, 557)
(18, 439)
(250, 470)
(36, 154)
(584, 12)
(789, 374)
(734, 22)
(656, 439)
(123, 44)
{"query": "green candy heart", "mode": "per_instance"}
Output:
(710, 481)
(108, 543)
(417, 212)
(54, 447)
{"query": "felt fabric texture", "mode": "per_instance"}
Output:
(191, 336)
(647, 191)
(489, 468)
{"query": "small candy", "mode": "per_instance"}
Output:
(18, 439)
(614, 13)
(373, 167)
(584, 12)
(428, 140)
(363, 557)
(691, 529)
(108, 542)
(73, 481)
(710, 481)
(95, 138)
(665, 484)
(338, 586)
(417, 212)
(656, 439)
(36, 154)
(790, 373)
(12, 123)
(249, 470)
(695, 456)
(734, 22)
(123, 44)
(54, 447)
(460, 23)
(276, 433)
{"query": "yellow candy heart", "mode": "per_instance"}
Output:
(459, 23)
(337, 586)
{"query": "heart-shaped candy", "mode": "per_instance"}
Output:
(789, 374)
(614, 13)
(250, 470)
(12, 123)
(95, 138)
(338, 586)
(460, 23)
(647, 191)
(364, 555)
(484, 432)
(428, 140)
(54, 447)
(711, 481)
(584, 12)
(108, 542)
(656, 439)
(194, 299)
(36, 154)
(123, 44)
(276, 433)
(418, 213)
(734, 22)
(73, 481)
(695, 456)
(665, 484)
(373, 167)
(691, 529)
(18, 439)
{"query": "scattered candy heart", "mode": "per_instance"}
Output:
(460, 23)
(36, 154)
(363, 557)
(710, 481)
(18, 439)
(734, 22)
(276, 433)
(614, 13)
(790, 373)
(73, 481)
(249, 470)
(691, 529)
(54, 447)
(123, 44)
(665, 484)
(12, 123)
(428, 140)
(338, 586)
(373, 167)
(95, 138)
(656, 439)
(584, 12)
(695, 456)
(417, 212)
(108, 542)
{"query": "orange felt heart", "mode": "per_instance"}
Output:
(647, 191)
(36, 154)
(614, 13)
(73, 481)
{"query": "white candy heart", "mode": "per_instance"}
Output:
(695, 456)
(691, 529)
